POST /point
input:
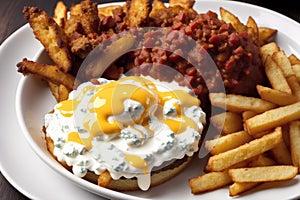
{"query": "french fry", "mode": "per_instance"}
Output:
(227, 142)
(272, 118)
(295, 143)
(248, 114)
(209, 181)
(187, 4)
(283, 62)
(229, 17)
(296, 70)
(276, 76)
(51, 35)
(239, 188)
(239, 103)
(263, 174)
(60, 13)
(227, 122)
(258, 146)
(48, 72)
(267, 50)
(266, 34)
(281, 154)
(275, 96)
(294, 60)
(253, 30)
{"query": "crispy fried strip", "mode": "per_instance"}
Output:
(60, 13)
(48, 72)
(272, 118)
(138, 12)
(51, 35)
(228, 158)
(89, 16)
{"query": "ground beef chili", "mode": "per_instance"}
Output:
(234, 53)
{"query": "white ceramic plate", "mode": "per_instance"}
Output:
(22, 165)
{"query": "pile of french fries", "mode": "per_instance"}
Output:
(260, 136)
(260, 140)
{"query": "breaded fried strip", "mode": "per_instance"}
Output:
(60, 13)
(89, 16)
(50, 34)
(47, 72)
(138, 12)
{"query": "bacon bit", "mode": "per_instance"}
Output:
(229, 63)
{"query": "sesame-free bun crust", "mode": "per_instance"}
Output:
(123, 184)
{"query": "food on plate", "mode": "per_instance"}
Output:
(258, 126)
(227, 122)
(133, 127)
(235, 53)
(248, 150)
(282, 117)
(51, 35)
(263, 174)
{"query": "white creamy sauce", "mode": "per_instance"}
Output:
(133, 151)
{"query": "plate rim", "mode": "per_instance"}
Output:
(7, 40)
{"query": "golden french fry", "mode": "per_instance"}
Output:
(267, 50)
(227, 142)
(48, 72)
(294, 60)
(209, 181)
(275, 96)
(263, 174)
(296, 70)
(295, 142)
(283, 62)
(227, 122)
(262, 160)
(239, 188)
(183, 3)
(276, 76)
(253, 30)
(266, 34)
(281, 154)
(248, 114)
(272, 118)
(258, 146)
(239, 103)
(60, 13)
(229, 17)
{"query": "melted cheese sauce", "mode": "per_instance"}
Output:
(127, 127)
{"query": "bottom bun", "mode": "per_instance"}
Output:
(123, 184)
